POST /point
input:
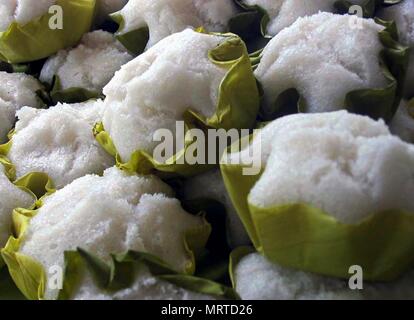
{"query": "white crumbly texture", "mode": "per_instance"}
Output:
(16, 90)
(59, 141)
(210, 185)
(154, 90)
(110, 214)
(22, 11)
(402, 124)
(106, 7)
(348, 165)
(324, 59)
(283, 13)
(91, 65)
(165, 17)
(11, 197)
(403, 15)
(259, 279)
(145, 287)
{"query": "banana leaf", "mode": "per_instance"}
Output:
(37, 185)
(251, 23)
(8, 290)
(71, 95)
(375, 102)
(13, 68)
(134, 41)
(237, 107)
(36, 40)
(212, 263)
(119, 274)
(303, 237)
(30, 276)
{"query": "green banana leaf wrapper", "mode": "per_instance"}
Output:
(35, 40)
(303, 237)
(134, 41)
(119, 274)
(254, 19)
(30, 276)
(32, 68)
(9, 168)
(13, 68)
(8, 290)
(71, 95)
(213, 262)
(237, 107)
(36, 184)
(251, 23)
(375, 102)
